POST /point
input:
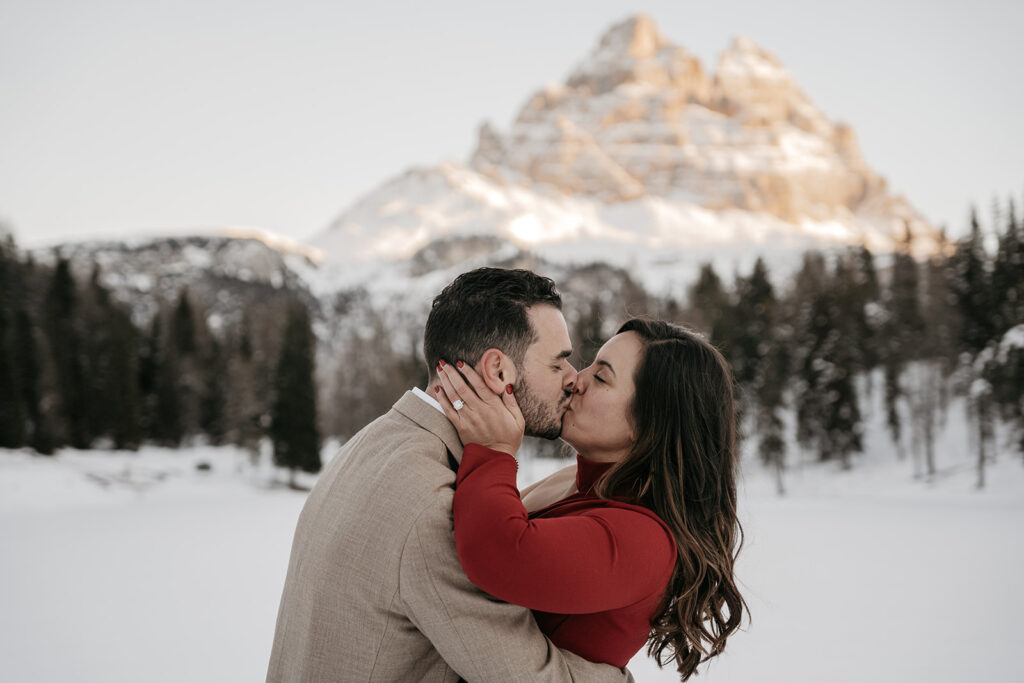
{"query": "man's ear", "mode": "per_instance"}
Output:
(496, 369)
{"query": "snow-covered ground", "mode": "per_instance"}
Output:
(140, 567)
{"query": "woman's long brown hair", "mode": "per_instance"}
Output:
(683, 466)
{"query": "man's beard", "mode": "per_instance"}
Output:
(539, 419)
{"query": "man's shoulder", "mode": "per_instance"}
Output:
(411, 455)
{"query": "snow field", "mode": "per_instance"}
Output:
(165, 573)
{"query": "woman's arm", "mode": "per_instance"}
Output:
(603, 558)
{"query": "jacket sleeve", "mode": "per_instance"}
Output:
(482, 639)
(600, 559)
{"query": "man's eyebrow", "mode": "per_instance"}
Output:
(606, 364)
(564, 354)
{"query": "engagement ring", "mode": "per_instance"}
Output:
(458, 403)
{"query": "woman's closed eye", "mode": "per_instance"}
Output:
(598, 378)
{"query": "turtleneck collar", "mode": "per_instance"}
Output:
(588, 472)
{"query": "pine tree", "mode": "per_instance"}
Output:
(865, 309)
(971, 290)
(970, 285)
(243, 407)
(711, 309)
(66, 347)
(125, 396)
(755, 308)
(1008, 274)
(189, 350)
(293, 427)
(902, 332)
(811, 323)
(762, 364)
(212, 418)
(149, 350)
(183, 326)
(843, 419)
(936, 348)
(29, 373)
(589, 332)
(111, 358)
(828, 415)
(165, 421)
(1006, 376)
(1006, 371)
(12, 408)
(96, 312)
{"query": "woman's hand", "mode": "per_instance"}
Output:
(483, 418)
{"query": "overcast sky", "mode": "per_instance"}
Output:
(127, 117)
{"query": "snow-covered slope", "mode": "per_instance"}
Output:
(642, 153)
(224, 272)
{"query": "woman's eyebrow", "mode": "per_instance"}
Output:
(606, 364)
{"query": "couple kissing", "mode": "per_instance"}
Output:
(417, 558)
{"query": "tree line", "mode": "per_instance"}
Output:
(77, 370)
(948, 325)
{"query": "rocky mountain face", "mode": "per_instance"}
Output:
(222, 273)
(641, 117)
(644, 148)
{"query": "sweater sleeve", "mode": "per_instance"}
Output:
(602, 558)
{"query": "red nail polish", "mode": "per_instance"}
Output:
(459, 363)
(440, 363)
(436, 388)
(508, 388)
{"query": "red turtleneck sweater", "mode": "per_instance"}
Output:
(593, 571)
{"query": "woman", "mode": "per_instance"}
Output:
(640, 547)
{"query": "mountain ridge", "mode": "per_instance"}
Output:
(641, 148)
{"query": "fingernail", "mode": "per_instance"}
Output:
(436, 388)
(508, 388)
(440, 363)
(458, 363)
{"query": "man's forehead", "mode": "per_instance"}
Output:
(550, 329)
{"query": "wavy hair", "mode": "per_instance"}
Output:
(683, 466)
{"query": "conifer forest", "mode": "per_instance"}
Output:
(78, 369)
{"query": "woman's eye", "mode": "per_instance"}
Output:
(598, 378)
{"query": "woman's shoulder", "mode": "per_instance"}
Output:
(636, 520)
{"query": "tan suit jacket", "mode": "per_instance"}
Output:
(375, 591)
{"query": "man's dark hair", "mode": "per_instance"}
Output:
(484, 309)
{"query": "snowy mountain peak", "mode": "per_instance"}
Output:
(745, 46)
(637, 37)
(635, 53)
(639, 150)
(751, 83)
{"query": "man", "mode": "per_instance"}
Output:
(374, 590)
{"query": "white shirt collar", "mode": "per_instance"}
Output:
(429, 399)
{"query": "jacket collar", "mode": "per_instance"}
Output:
(427, 417)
